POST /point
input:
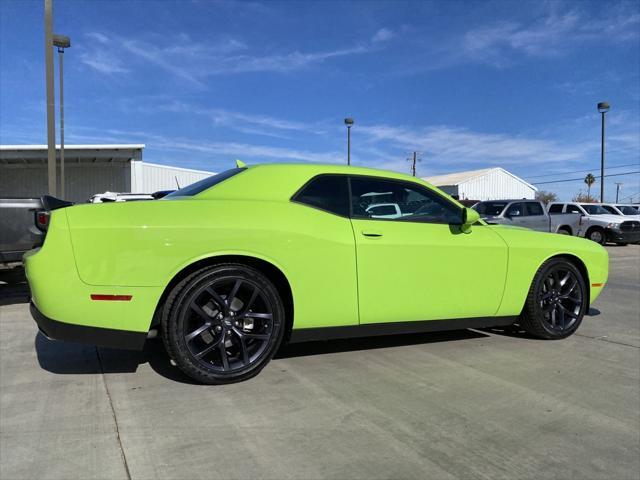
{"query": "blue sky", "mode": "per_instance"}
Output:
(467, 84)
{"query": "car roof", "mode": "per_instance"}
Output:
(277, 181)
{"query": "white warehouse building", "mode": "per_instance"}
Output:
(486, 184)
(89, 169)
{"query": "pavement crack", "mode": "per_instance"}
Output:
(605, 339)
(113, 414)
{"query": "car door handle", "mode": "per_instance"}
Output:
(372, 234)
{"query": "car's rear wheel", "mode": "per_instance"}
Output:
(223, 324)
(557, 301)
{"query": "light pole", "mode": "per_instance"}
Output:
(62, 42)
(51, 120)
(603, 107)
(349, 123)
(618, 185)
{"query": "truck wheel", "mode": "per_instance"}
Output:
(557, 301)
(596, 235)
(564, 231)
(223, 324)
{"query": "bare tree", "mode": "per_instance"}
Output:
(545, 196)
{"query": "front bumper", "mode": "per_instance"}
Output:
(620, 236)
(104, 337)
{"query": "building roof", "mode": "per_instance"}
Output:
(36, 154)
(135, 146)
(461, 177)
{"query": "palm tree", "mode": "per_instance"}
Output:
(589, 180)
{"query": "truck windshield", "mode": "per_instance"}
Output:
(626, 210)
(205, 183)
(490, 208)
(594, 209)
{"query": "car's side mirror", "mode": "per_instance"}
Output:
(469, 217)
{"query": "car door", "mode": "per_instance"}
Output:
(535, 217)
(420, 266)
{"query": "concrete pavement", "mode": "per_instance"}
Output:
(468, 404)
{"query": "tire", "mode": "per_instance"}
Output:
(597, 235)
(564, 231)
(217, 341)
(557, 301)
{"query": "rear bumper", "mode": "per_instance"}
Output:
(104, 337)
(619, 236)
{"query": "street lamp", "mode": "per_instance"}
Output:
(349, 123)
(603, 107)
(61, 42)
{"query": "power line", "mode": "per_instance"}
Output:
(576, 179)
(630, 197)
(580, 171)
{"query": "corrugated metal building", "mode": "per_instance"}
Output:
(486, 184)
(89, 169)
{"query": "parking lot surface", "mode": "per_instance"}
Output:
(467, 404)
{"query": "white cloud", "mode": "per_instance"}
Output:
(194, 61)
(554, 35)
(449, 148)
(382, 35)
(103, 62)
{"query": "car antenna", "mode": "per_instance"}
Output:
(176, 177)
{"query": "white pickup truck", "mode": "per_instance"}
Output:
(599, 225)
(526, 213)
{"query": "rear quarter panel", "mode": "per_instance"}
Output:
(145, 244)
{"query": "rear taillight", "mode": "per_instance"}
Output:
(42, 220)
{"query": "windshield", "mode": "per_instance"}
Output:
(489, 208)
(627, 210)
(594, 209)
(205, 184)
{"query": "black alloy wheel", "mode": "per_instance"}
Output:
(557, 301)
(223, 324)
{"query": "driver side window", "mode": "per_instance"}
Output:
(380, 199)
(516, 210)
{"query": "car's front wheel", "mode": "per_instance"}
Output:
(223, 324)
(557, 301)
(597, 235)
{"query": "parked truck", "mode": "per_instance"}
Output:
(18, 230)
(599, 225)
(527, 213)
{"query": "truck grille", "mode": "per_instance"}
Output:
(630, 226)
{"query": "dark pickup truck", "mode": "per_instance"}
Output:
(18, 229)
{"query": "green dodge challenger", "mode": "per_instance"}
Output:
(232, 266)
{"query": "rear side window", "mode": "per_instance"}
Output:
(205, 184)
(555, 208)
(326, 192)
(534, 208)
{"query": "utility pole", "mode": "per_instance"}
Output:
(618, 185)
(414, 159)
(51, 121)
